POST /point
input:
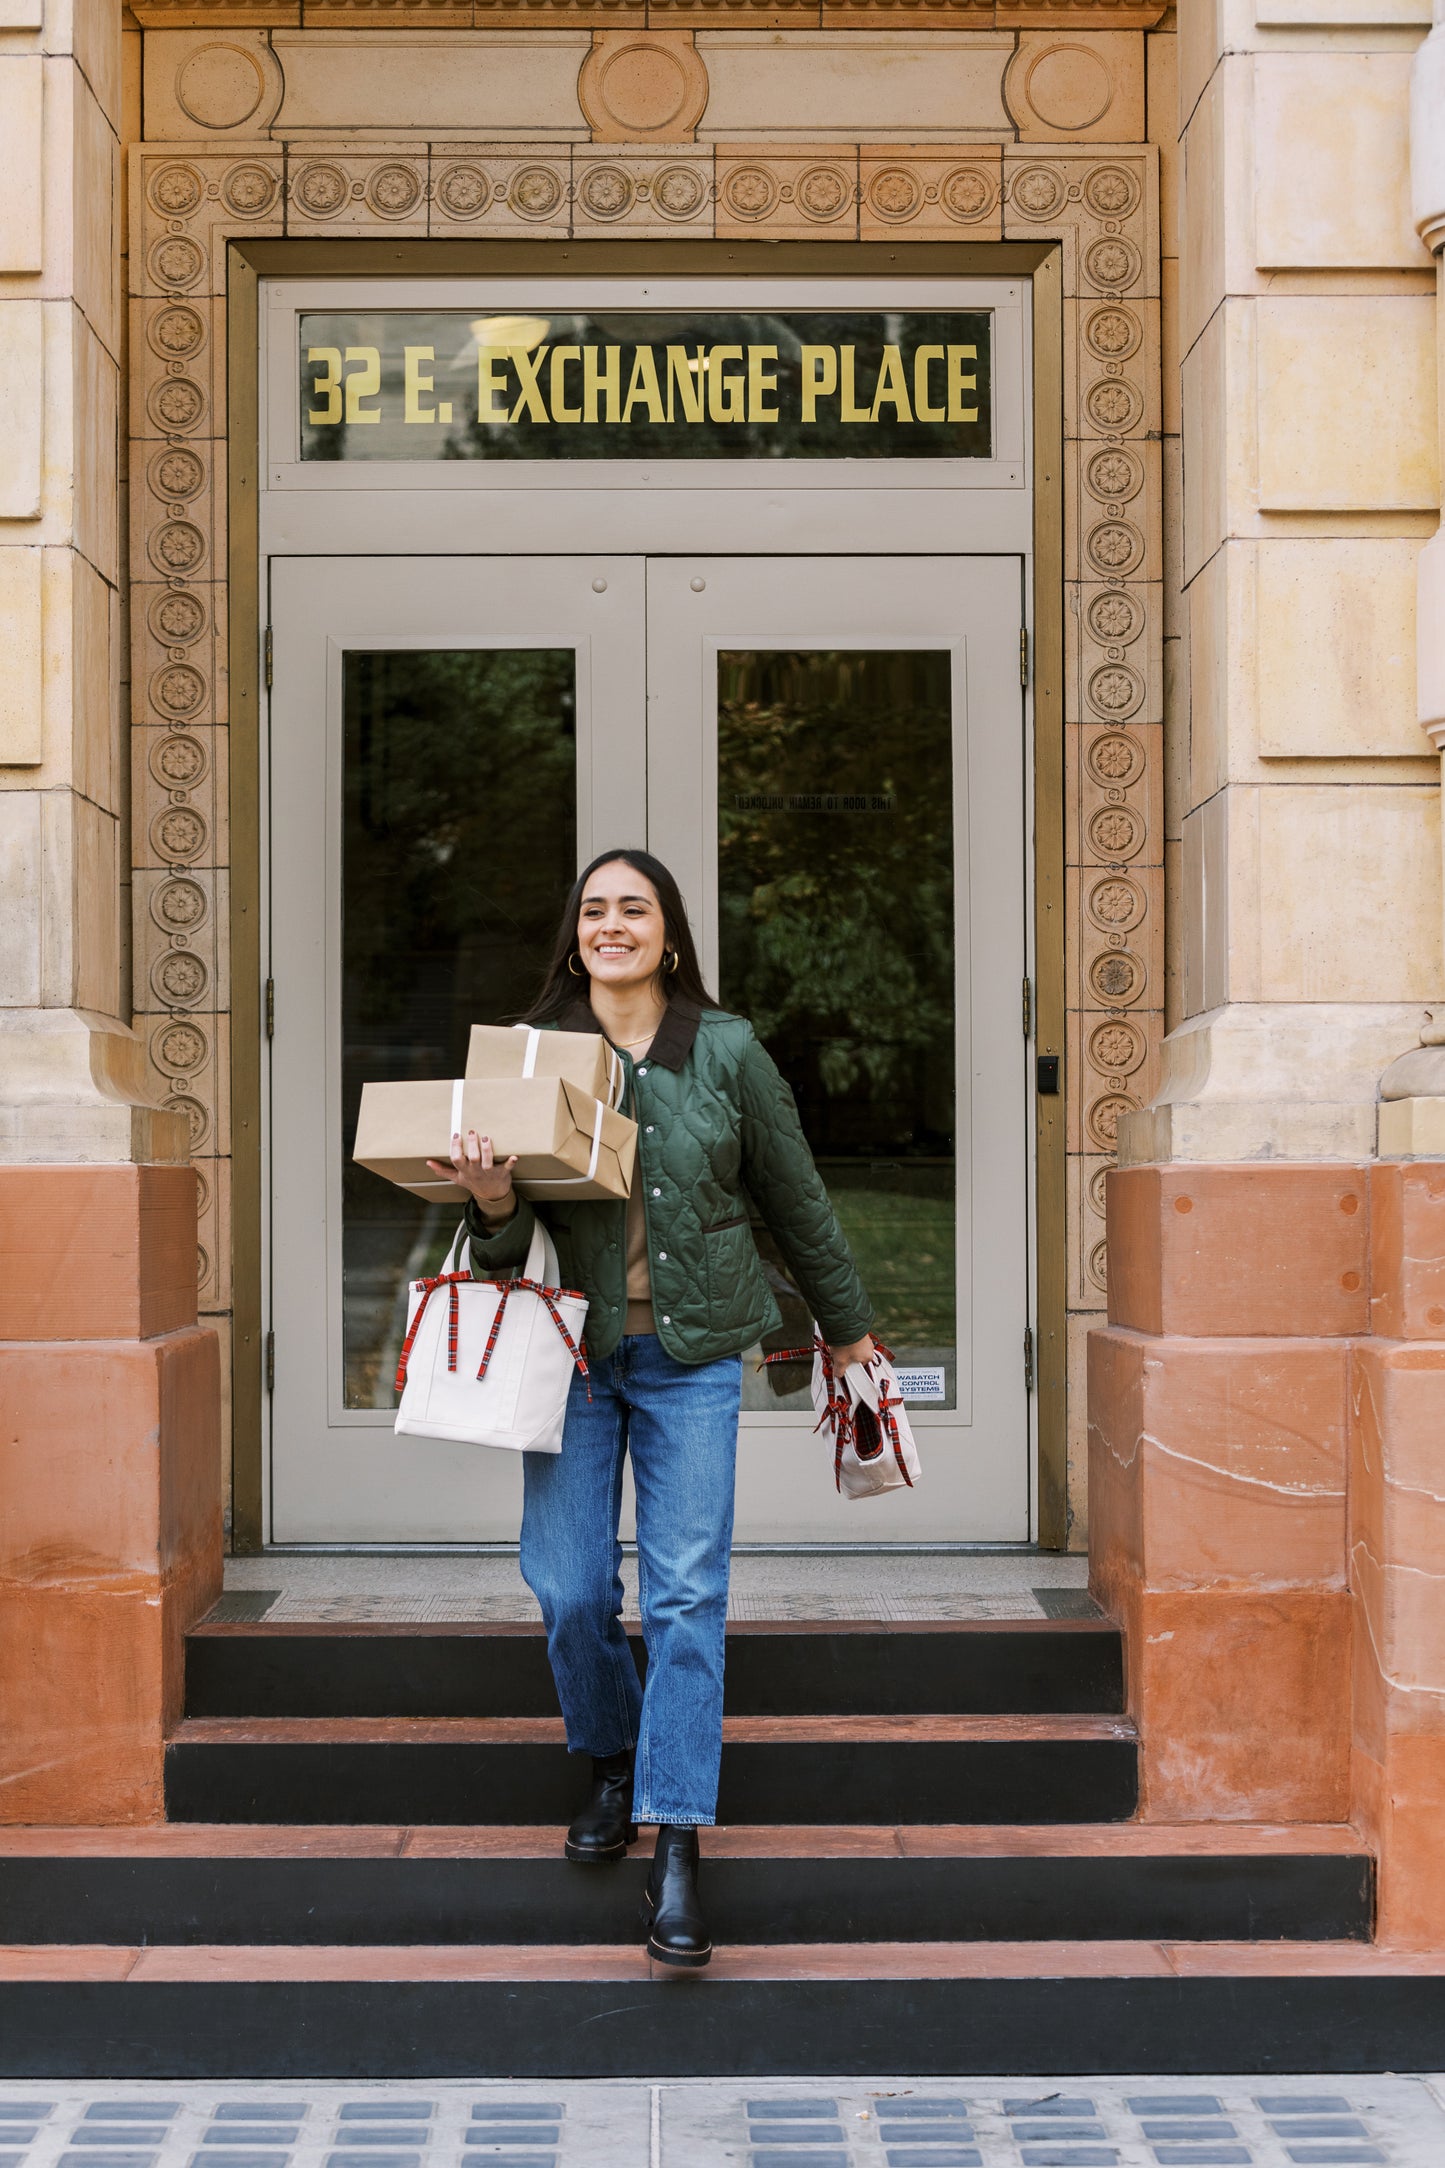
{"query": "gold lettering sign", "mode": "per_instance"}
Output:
(442, 384)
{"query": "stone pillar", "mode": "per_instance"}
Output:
(1217, 1444)
(109, 1488)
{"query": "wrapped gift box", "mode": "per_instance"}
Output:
(569, 1145)
(584, 1058)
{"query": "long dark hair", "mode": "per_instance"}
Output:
(561, 987)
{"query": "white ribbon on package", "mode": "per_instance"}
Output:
(614, 1062)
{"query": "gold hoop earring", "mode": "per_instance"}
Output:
(573, 962)
(671, 963)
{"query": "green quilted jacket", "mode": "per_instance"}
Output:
(716, 1125)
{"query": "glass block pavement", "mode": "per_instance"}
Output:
(890, 2123)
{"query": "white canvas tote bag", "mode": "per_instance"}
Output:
(490, 1362)
(863, 1414)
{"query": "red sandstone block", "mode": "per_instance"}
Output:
(110, 1459)
(1223, 1251)
(96, 1253)
(1397, 1537)
(1243, 1705)
(81, 1700)
(1407, 1250)
(1399, 1805)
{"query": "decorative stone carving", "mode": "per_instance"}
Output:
(1059, 88)
(643, 87)
(220, 86)
(461, 14)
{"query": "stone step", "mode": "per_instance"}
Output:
(1028, 1666)
(775, 1769)
(951, 2009)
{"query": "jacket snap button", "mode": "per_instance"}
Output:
(642, 1072)
(667, 1321)
(649, 1128)
(657, 1193)
(662, 1257)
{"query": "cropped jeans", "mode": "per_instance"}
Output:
(679, 1422)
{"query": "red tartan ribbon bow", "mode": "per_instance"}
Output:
(839, 1413)
(507, 1288)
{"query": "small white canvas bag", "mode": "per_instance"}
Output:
(863, 1414)
(490, 1362)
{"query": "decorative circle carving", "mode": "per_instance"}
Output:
(894, 194)
(179, 1046)
(175, 330)
(176, 191)
(1112, 333)
(1112, 262)
(321, 190)
(1114, 405)
(178, 546)
(1116, 1048)
(464, 191)
(1036, 191)
(200, 1122)
(1102, 1119)
(644, 87)
(179, 833)
(179, 905)
(203, 1266)
(750, 192)
(1115, 760)
(535, 192)
(967, 194)
(1069, 87)
(1115, 619)
(1116, 546)
(249, 189)
(1116, 904)
(220, 86)
(177, 261)
(606, 191)
(1115, 690)
(177, 617)
(176, 473)
(824, 193)
(1114, 474)
(180, 976)
(1098, 1266)
(1116, 832)
(393, 191)
(178, 763)
(1098, 1189)
(178, 689)
(1111, 191)
(1117, 978)
(176, 403)
(678, 191)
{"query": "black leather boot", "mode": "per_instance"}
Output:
(676, 1930)
(604, 1828)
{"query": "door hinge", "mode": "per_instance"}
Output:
(269, 659)
(270, 1008)
(270, 1362)
(1028, 1358)
(1028, 1015)
(1023, 655)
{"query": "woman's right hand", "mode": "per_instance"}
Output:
(473, 1164)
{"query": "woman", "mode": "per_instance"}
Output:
(675, 1292)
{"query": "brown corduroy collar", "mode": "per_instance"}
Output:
(672, 1042)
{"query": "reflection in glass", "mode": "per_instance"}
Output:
(451, 871)
(836, 914)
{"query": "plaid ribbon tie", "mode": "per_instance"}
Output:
(506, 1288)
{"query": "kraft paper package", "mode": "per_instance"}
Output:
(569, 1145)
(583, 1057)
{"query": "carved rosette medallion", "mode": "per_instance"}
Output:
(536, 192)
(750, 192)
(321, 190)
(463, 191)
(606, 192)
(394, 191)
(678, 191)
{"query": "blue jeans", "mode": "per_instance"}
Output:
(679, 1421)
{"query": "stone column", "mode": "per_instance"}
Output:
(110, 1528)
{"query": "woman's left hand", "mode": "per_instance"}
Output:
(857, 1351)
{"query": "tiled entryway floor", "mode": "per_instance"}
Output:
(1214, 2122)
(890, 1586)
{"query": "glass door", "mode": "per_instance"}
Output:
(836, 772)
(448, 739)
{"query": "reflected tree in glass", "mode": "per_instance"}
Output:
(459, 835)
(836, 910)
